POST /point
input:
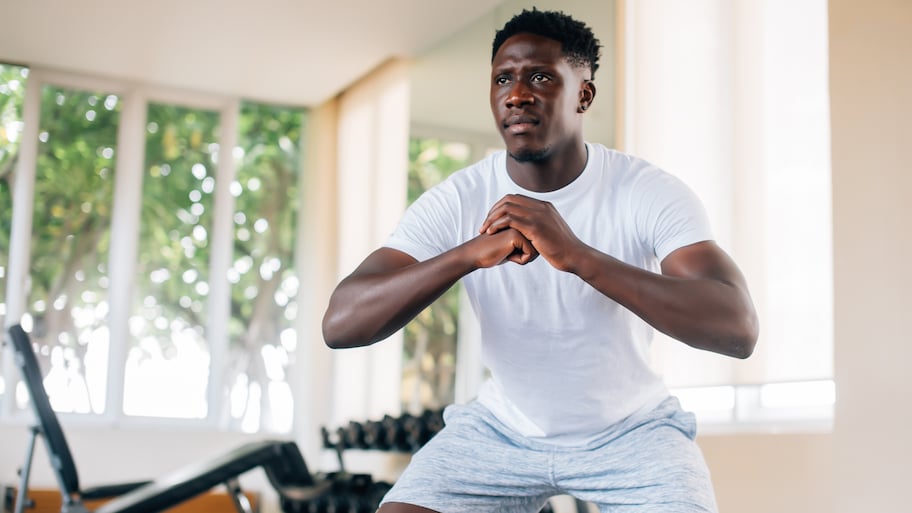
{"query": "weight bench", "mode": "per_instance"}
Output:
(281, 460)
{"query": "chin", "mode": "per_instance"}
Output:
(529, 155)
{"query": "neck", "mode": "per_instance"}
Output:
(555, 170)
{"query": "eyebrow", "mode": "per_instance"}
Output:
(536, 66)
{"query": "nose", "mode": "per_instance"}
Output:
(519, 95)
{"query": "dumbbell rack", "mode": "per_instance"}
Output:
(360, 493)
(405, 433)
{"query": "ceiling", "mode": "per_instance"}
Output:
(283, 51)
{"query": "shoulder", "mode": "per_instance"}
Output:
(628, 173)
(639, 176)
(460, 189)
(469, 182)
(479, 173)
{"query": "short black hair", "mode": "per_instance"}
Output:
(578, 43)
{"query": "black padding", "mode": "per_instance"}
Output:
(289, 469)
(281, 460)
(110, 490)
(194, 479)
(61, 458)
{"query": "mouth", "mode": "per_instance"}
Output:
(519, 124)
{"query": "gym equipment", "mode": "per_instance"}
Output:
(349, 493)
(281, 460)
(405, 433)
(358, 493)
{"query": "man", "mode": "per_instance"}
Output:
(571, 254)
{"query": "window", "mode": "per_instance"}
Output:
(429, 342)
(264, 284)
(441, 348)
(68, 268)
(178, 305)
(736, 104)
(167, 365)
(12, 92)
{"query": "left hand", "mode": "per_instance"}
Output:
(540, 223)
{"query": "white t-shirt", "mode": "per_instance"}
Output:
(566, 361)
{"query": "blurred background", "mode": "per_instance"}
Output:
(183, 184)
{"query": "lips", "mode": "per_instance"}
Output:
(519, 124)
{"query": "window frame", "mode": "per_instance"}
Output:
(129, 171)
(470, 372)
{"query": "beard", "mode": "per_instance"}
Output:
(529, 155)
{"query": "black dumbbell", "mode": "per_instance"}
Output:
(375, 435)
(354, 435)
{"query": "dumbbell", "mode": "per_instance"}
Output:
(395, 436)
(354, 435)
(375, 435)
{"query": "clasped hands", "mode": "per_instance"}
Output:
(518, 229)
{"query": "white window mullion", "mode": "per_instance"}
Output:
(220, 260)
(23, 198)
(128, 181)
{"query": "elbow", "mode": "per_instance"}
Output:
(333, 342)
(339, 332)
(338, 342)
(742, 349)
(335, 335)
(736, 339)
(745, 338)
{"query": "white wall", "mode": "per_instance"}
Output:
(871, 90)
(864, 465)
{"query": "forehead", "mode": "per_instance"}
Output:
(529, 48)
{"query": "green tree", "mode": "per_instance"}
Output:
(263, 300)
(72, 216)
(12, 91)
(429, 343)
(70, 223)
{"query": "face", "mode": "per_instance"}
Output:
(537, 97)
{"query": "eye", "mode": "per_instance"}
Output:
(501, 79)
(539, 77)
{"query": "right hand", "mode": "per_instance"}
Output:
(507, 245)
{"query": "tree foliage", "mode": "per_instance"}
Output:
(430, 339)
(12, 90)
(71, 236)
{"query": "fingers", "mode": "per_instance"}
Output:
(503, 214)
(524, 253)
(541, 226)
(502, 223)
(504, 246)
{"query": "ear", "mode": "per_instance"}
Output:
(586, 96)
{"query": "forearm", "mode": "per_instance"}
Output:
(370, 306)
(712, 313)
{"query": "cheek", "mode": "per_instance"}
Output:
(564, 110)
(571, 102)
(496, 102)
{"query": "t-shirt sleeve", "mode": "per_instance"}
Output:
(429, 226)
(668, 214)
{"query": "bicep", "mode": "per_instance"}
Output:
(384, 260)
(703, 260)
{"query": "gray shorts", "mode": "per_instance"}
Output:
(645, 463)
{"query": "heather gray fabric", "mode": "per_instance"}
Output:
(645, 463)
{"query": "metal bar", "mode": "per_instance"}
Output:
(24, 472)
(241, 503)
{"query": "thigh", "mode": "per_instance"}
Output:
(469, 466)
(653, 465)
